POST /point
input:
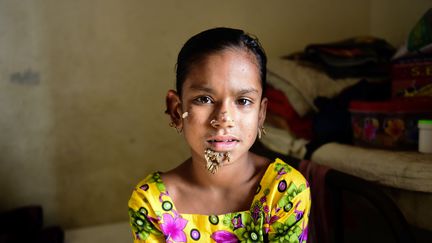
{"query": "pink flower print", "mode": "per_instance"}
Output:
(154, 220)
(237, 222)
(269, 221)
(304, 234)
(223, 236)
(370, 128)
(256, 211)
(172, 228)
(280, 173)
(145, 187)
(163, 194)
(298, 213)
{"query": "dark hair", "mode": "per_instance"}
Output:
(214, 40)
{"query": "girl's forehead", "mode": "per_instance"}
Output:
(232, 67)
(229, 54)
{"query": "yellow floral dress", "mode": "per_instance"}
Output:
(279, 213)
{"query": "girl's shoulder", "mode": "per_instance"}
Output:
(283, 187)
(152, 182)
(150, 195)
(280, 174)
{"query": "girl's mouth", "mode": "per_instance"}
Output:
(218, 141)
(223, 143)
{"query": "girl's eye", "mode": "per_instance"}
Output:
(203, 100)
(244, 102)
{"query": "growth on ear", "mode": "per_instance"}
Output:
(173, 107)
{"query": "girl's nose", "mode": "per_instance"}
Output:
(223, 119)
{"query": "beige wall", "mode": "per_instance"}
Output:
(393, 19)
(82, 86)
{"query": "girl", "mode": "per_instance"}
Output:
(223, 192)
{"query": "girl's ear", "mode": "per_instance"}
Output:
(173, 107)
(262, 112)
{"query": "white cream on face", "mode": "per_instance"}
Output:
(185, 115)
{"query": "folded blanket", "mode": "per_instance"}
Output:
(303, 84)
(284, 142)
(361, 57)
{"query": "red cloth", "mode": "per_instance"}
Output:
(278, 104)
(320, 224)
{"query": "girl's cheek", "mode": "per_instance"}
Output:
(188, 113)
(196, 115)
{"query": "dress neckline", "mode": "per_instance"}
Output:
(258, 189)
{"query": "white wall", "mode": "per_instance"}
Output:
(82, 86)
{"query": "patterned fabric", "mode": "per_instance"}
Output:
(279, 213)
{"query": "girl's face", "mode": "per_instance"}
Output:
(224, 87)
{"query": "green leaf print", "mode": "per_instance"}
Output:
(283, 201)
(227, 220)
(291, 193)
(156, 178)
(286, 232)
(140, 224)
(250, 233)
(280, 166)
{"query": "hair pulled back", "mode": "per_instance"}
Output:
(214, 40)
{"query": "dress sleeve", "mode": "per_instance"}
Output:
(289, 222)
(142, 216)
